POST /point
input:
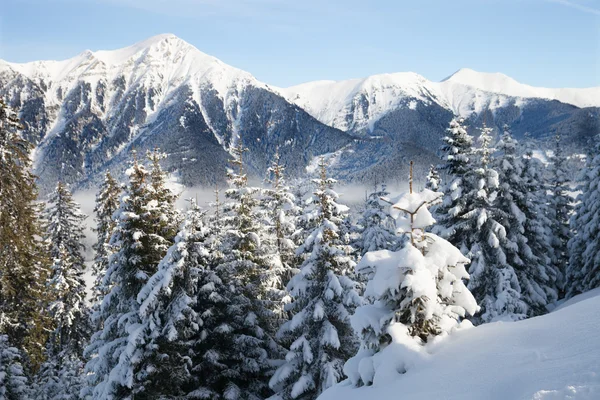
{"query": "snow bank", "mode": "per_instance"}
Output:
(556, 356)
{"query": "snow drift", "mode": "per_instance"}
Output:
(555, 356)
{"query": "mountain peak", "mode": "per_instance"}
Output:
(470, 77)
(167, 43)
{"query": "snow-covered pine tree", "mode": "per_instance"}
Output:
(250, 320)
(536, 279)
(433, 181)
(560, 209)
(23, 265)
(470, 220)
(107, 203)
(147, 224)
(60, 374)
(376, 226)
(13, 381)
(584, 247)
(541, 274)
(301, 189)
(168, 304)
(280, 209)
(457, 158)
(323, 298)
(418, 291)
(213, 367)
(493, 281)
(66, 286)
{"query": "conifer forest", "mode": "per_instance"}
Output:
(280, 290)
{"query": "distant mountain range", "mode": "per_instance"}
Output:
(86, 114)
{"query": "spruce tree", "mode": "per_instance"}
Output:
(67, 290)
(23, 265)
(583, 273)
(417, 292)
(542, 275)
(494, 281)
(527, 246)
(107, 203)
(214, 370)
(147, 224)
(323, 298)
(281, 211)
(457, 157)
(249, 320)
(433, 181)
(168, 309)
(376, 227)
(13, 382)
(471, 220)
(560, 209)
(60, 374)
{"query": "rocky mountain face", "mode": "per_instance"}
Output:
(87, 114)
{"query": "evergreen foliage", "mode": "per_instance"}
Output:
(147, 223)
(107, 203)
(560, 209)
(376, 227)
(23, 263)
(13, 382)
(584, 247)
(323, 298)
(417, 292)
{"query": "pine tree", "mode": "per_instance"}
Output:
(433, 181)
(376, 227)
(107, 203)
(23, 266)
(457, 158)
(281, 212)
(248, 317)
(59, 376)
(13, 382)
(527, 252)
(323, 298)
(541, 275)
(418, 291)
(168, 309)
(213, 368)
(471, 220)
(147, 224)
(559, 211)
(68, 309)
(494, 281)
(584, 247)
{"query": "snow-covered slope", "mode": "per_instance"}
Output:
(502, 84)
(86, 114)
(93, 109)
(160, 64)
(555, 356)
(358, 103)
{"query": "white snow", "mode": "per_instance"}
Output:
(464, 92)
(160, 65)
(555, 356)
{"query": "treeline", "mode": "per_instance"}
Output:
(274, 289)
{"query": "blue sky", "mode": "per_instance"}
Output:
(552, 43)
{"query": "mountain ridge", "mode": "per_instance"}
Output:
(85, 114)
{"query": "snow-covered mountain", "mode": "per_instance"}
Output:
(357, 104)
(87, 114)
